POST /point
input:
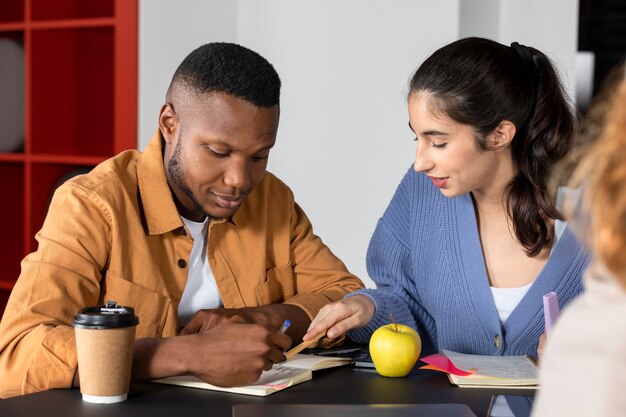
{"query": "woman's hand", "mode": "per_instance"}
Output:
(339, 317)
(542, 345)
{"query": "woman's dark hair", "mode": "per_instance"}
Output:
(480, 83)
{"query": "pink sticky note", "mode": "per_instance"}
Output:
(442, 363)
(432, 368)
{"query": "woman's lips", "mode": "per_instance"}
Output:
(439, 182)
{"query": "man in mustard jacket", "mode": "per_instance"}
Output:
(210, 249)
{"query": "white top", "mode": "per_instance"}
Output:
(506, 299)
(583, 369)
(201, 290)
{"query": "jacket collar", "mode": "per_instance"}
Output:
(156, 197)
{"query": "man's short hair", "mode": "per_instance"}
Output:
(232, 69)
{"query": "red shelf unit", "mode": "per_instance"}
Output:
(79, 91)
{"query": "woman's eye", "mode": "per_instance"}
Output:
(433, 144)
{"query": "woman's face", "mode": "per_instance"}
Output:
(448, 154)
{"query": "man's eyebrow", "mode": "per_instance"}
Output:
(266, 148)
(214, 141)
(229, 146)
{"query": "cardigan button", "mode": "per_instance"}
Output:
(496, 341)
(182, 263)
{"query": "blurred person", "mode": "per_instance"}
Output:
(583, 370)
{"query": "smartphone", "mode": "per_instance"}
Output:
(510, 406)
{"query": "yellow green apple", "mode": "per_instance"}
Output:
(394, 349)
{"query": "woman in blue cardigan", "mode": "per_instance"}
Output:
(472, 238)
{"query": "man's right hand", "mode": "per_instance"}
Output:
(339, 317)
(232, 353)
(235, 353)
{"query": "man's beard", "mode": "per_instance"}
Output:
(175, 169)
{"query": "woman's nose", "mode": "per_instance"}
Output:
(423, 160)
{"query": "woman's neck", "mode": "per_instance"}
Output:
(490, 199)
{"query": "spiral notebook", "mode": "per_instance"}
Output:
(283, 375)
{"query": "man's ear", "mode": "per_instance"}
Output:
(168, 122)
(502, 135)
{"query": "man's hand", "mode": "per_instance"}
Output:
(235, 352)
(205, 320)
(339, 317)
(232, 353)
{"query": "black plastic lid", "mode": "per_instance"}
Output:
(108, 316)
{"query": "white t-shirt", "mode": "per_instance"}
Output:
(201, 290)
(506, 299)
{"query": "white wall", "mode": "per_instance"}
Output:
(168, 31)
(343, 142)
(550, 26)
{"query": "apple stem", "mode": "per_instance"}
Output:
(394, 322)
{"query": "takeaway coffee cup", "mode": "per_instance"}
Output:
(105, 337)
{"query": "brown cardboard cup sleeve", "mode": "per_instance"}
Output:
(105, 337)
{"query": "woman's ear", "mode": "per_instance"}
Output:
(502, 135)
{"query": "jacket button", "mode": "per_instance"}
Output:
(182, 263)
(496, 339)
(182, 231)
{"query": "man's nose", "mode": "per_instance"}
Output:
(236, 175)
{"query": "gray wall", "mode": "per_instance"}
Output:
(343, 142)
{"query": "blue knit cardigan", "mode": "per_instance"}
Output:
(426, 259)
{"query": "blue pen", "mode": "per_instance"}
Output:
(285, 326)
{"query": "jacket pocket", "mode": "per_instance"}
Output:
(150, 306)
(278, 286)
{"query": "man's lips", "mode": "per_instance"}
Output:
(226, 201)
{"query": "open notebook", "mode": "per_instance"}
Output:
(494, 371)
(283, 375)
